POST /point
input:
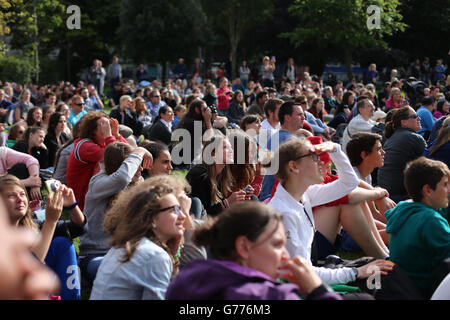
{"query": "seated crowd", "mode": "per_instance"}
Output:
(207, 191)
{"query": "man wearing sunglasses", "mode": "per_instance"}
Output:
(77, 109)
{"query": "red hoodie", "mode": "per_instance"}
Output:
(83, 164)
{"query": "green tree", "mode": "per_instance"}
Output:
(161, 31)
(236, 18)
(343, 24)
(32, 25)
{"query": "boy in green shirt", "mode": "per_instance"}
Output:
(419, 232)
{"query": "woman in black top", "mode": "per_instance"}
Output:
(33, 144)
(56, 137)
(403, 145)
(236, 108)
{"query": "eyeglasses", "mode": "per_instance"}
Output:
(176, 208)
(79, 104)
(413, 116)
(314, 156)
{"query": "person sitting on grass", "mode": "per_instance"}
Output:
(300, 190)
(419, 232)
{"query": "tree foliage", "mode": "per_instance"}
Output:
(236, 18)
(161, 31)
(343, 24)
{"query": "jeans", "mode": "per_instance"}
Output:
(89, 266)
(62, 259)
(196, 207)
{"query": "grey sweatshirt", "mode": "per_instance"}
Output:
(101, 188)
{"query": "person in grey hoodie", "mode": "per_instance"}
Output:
(121, 167)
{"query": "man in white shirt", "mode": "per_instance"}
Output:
(271, 124)
(361, 123)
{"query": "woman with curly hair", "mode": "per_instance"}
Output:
(147, 225)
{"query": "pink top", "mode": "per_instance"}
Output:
(391, 104)
(10, 157)
(223, 101)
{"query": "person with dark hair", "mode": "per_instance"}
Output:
(425, 112)
(419, 232)
(257, 107)
(440, 148)
(147, 224)
(34, 117)
(366, 155)
(271, 124)
(122, 167)
(248, 256)
(55, 137)
(161, 129)
(291, 119)
(199, 114)
(236, 109)
(403, 145)
(340, 115)
(162, 161)
(442, 109)
(33, 144)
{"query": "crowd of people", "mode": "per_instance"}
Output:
(245, 188)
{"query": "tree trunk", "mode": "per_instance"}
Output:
(36, 43)
(233, 60)
(348, 64)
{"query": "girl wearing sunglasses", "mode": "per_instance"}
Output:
(299, 190)
(403, 145)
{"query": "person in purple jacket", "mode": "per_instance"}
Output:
(247, 247)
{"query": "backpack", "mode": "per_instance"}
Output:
(339, 134)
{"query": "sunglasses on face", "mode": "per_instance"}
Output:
(79, 104)
(413, 116)
(314, 156)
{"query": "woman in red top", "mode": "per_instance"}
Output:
(223, 96)
(96, 132)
